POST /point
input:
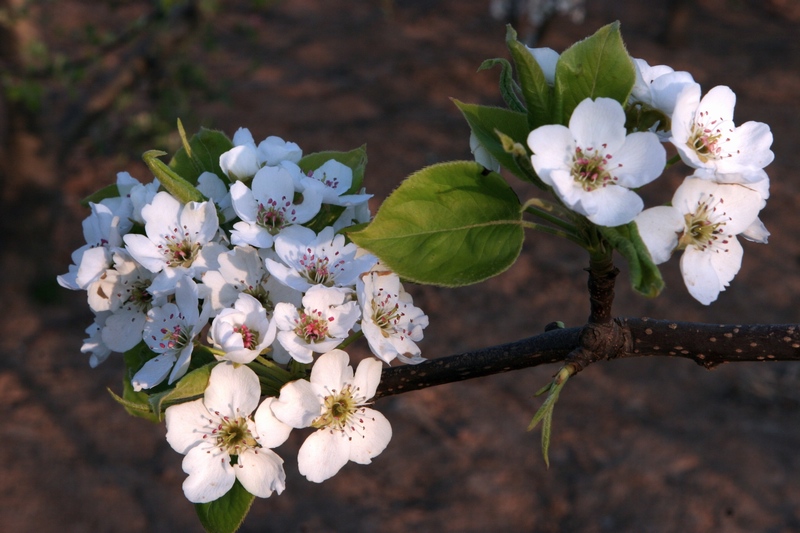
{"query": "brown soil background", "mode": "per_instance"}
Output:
(638, 445)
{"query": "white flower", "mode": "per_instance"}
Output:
(241, 162)
(179, 240)
(481, 154)
(274, 150)
(324, 322)
(547, 59)
(390, 322)
(169, 332)
(215, 190)
(244, 331)
(103, 230)
(704, 219)
(706, 137)
(212, 430)
(269, 207)
(592, 165)
(334, 402)
(337, 179)
(658, 87)
(242, 270)
(137, 193)
(353, 214)
(94, 344)
(309, 259)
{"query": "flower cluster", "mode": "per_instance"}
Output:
(608, 150)
(255, 284)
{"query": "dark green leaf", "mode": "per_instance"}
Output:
(486, 121)
(225, 514)
(645, 275)
(189, 387)
(109, 191)
(450, 224)
(535, 90)
(597, 66)
(200, 154)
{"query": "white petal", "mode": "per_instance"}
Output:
(123, 330)
(616, 206)
(547, 58)
(199, 221)
(756, 232)
(371, 439)
(553, 147)
(244, 203)
(210, 474)
(298, 405)
(153, 372)
(185, 423)
(368, 377)
(323, 454)
(727, 264)
(659, 228)
(598, 125)
(271, 431)
(332, 370)
(232, 391)
(144, 251)
(640, 160)
(717, 104)
(699, 275)
(260, 472)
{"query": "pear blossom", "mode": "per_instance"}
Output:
(308, 259)
(169, 332)
(337, 179)
(481, 154)
(139, 194)
(241, 162)
(547, 58)
(334, 402)
(269, 207)
(592, 164)
(703, 221)
(322, 324)
(215, 190)
(93, 344)
(353, 214)
(390, 322)
(242, 270)
(243, 331)
(273, 150)
(213, 430)
(706, 137)
(179, 240)
(103, 231)
(657, 87)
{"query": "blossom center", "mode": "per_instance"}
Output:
(386, 316)
(312, 327)
(705, 226)
(339, 410)
(233, 435)
(180, 249)
(176, 338)
(272, 216)
(262, 295)
(705, 142)
(249, 337)
(319, 270)
(589, 169)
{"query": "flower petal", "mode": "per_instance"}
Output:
(323, 454)
(271, 431)
(659, 228)
(260, 472)
(184, 424)
(332, 370)
(232, 391)
(298, 405)
(368, 377)
(374, 436)
(210, 474)
(598, 125)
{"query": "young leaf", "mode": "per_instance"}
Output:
(535, 90)
(450, 224)
(109, 191)
(175, 184)
(645, 275)
(486, 121)
(597, 66)
(508, 88)
(200, 154)
(225, 514)
(189, 387)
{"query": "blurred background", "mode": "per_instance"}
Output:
(638, 445)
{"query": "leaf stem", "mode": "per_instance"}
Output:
(554, 231)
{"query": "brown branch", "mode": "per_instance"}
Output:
(708, 345)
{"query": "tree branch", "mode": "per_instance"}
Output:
(708, 345)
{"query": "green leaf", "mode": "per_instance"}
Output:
(109, 191)
(225, 514)
(486, 121)
(355, 159)
(175, 184)
(189, 387)
(450, 224)
(597, 66)
(135, 403)
(200, 154)
(508, 88)
(645, 275)
(535, 90)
